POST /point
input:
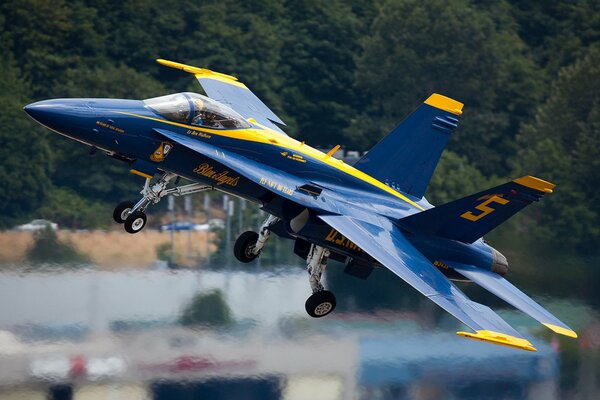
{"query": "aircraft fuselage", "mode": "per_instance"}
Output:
(127, 130)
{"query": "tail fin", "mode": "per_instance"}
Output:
(470, 218)
(406, 158)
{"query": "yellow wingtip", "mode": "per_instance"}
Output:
(176, 65)
(499, 338)
(562, 331)
(199, 72)
(445, 103)
(535, 183)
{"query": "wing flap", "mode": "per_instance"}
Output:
(502, 288)
(386, 243)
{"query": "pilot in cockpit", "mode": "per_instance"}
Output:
(204, 117)
(210, 119)
(198, 114)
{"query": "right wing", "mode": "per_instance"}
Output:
(228, 90)
(512, 295)
(383, 241)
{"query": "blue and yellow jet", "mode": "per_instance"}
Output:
(367, 215)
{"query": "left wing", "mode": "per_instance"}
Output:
(228, 90)
(386, 243)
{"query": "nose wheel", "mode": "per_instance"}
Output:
(122, 211)
(135, 222)
(132, 215)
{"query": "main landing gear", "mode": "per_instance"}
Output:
(249, 244)
(321, 302)
(133, 216)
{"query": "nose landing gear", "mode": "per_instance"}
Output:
(133, 216)
(133, 222)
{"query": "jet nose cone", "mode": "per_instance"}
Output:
(32, 109)
(61, 115)
(42, 111)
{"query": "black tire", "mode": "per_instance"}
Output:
(320, 304)
(244, 245)
(120, 209)
(135, 222)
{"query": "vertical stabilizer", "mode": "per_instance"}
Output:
(406, 158)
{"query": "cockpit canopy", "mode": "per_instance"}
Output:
(195, 109)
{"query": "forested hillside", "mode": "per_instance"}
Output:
(336, 71)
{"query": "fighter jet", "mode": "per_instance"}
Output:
(367, 215)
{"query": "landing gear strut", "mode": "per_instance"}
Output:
(133, 215)
(249, 244)
(321, 302)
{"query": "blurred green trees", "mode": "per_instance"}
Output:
(68, 209)
(415, 48)
(207, 309)
(47, 248)
(562, 144)
(26, 159)
(337, 72)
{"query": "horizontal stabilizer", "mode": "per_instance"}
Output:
(471, 217)
(502, 288)
(406, 158)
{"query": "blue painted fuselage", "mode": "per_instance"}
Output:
(267, 172)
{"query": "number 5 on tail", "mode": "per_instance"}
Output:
(484, 208)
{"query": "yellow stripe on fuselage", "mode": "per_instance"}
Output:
(268, 136)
